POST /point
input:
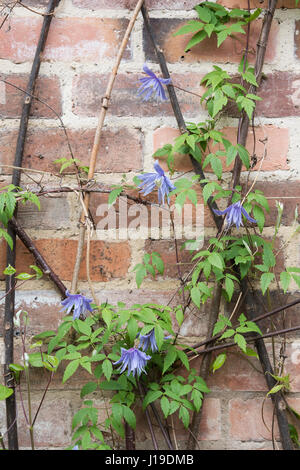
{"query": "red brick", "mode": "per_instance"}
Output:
(88, 90)
(120, 150)
(230, 50)
(286, 192)
(283, 85)
(12, 99)
(70, 39)
(237, 374)
(120, 4)
(245, 417)
(107, 260)
(275, 159)
(257, 4)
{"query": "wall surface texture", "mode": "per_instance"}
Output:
(80, 52)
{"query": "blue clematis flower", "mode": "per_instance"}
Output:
(159, 180)
(153, 85)
(134, 359)
(79, 302)
(148, 341)
(234, 215)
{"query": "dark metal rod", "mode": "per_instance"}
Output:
(9, 308)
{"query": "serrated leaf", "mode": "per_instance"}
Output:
(70, 370)
(165, 406)
(191, 27)
(265, 281)
(196, 39)
(88, 388)
(170, 358)
(151, 396)
(129, 417)
(240, 341)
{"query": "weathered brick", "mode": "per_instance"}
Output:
(120, 150)
(120, 4)
(70, 39)
(283, 85)
(257, 4)
(47, 89)
(230, 50)
(53, 424)
(53, 214)
(88, 90)
(107, 260)
(275, 158)
(245, 417)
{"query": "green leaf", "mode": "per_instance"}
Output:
(70, 370)
(9, 270)
(268, 256)
(196, 296)
(275, 389)
(170, 358)
(229, 287)
(251, 353)
(141, 273)
(204, 13)
(259, 216)
(107, 369)
(7, 238)
(151, 396)
(240, 341)
(216, 260)
(285, 279)
(184, 416)
(24, 276)
(88, 388)
(265, 281)
(244, 155)
(165, 406)
(113, 195)
(196, 39)
(184, 359)
(191, 27)
(218, 362)
(129, 417)
(5, 392)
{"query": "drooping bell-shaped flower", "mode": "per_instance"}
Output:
(76, 302)
(134, 360)
(234, 215)
(152, 85)
(151, 181)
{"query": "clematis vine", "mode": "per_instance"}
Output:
(234, 215)
(78, 302)
(152, 85)
(159, 180)
(134, 360)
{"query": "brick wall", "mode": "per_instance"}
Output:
(83, 42)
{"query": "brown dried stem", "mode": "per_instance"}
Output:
(97, 139)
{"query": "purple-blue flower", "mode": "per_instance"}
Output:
(159, 180)
(79, 302)
(153, 85)
(134, 359)
(234, 214)
(148, 341)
